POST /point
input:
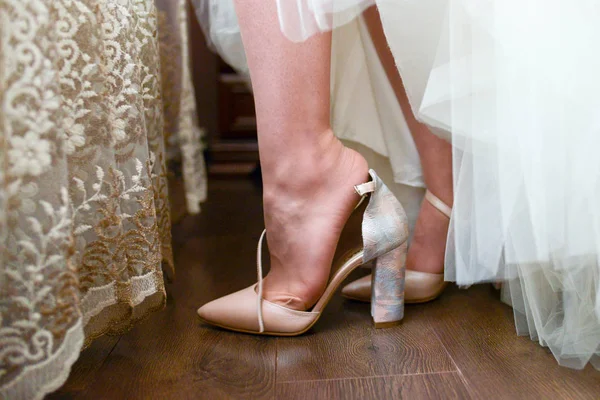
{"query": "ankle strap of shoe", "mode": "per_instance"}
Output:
(365, 188)
(437, 203)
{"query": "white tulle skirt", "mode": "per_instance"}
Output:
(514, 85)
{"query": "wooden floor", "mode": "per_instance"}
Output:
(460, 346)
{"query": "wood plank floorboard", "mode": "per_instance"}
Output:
(344, 344)
(479, 333)
(460, 346)
(412, 387)
(85, 369)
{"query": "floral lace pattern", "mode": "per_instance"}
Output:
(89, 89)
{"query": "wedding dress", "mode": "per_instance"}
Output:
(513, 85)
(366, 115)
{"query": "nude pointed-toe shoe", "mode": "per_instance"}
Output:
(380, 235)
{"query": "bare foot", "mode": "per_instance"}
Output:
(307, 203)
(427, 249)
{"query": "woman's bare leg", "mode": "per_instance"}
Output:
(308, 175)
(427, 249)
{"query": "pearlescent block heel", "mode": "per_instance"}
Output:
(387, 296)
(420, 287)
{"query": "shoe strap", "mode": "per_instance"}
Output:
(437, 203)
(365, 188)
(259, 273)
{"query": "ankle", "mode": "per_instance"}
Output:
(297, 166)
(428, 246)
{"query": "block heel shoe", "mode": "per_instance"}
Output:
(420, 287)
(379, 227)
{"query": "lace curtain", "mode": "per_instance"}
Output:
(90, 90)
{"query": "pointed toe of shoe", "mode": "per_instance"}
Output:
(359, 290)
(238, 312)
(209, 312)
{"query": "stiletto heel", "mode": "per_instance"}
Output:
(387, 297)
(384, 232)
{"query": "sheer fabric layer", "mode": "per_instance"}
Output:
(514, 86)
